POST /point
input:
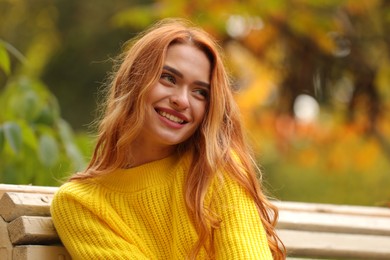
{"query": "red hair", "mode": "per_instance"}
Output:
(211, 146)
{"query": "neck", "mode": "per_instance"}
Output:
(140, 153)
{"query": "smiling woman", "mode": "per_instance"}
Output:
(175, 105)
(171, 176)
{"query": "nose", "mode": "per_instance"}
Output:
(179, 99)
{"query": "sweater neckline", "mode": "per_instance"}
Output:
(141, 177)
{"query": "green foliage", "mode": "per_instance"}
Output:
(36, 145)
(13, 134)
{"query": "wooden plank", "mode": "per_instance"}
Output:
(32, 230)
(338, 223)
(40, 252)
(16, 204)
(331, 208)
(333, 245)
(26, 188)
(5, 243)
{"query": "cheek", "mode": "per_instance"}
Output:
(155, 93)
(200, 112)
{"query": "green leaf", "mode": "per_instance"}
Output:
(5, 63)
(28, 105)
(13, 135)
(75, 156)
(30, 138)
(72, 151)
(48, 151)
(47, 116)
(65, 131)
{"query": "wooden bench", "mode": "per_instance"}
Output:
(26, 228)
(308, 230)
(334, 231)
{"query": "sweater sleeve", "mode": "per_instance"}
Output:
(85, 234)
(241, 234)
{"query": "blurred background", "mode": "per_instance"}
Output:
(312, 79)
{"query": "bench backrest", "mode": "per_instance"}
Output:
(307, 229)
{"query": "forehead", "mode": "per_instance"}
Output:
(189, 60)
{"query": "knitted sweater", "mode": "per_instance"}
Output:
(140, 213)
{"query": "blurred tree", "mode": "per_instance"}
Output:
(88, 43)
(70, 44)
(312, 76)
(36, 145)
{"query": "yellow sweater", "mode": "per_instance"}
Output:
(140, 213)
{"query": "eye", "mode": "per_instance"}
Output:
(204, 93)
(168, 78)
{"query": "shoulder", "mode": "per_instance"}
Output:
(75, 192)
(74, 189)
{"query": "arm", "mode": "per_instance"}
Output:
(241, 234)
(86, 234)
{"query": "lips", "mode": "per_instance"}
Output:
(172, 116)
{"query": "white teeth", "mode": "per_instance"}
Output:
(171, 117)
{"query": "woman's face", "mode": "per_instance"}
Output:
(177, 103)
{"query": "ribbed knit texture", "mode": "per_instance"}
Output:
(140, 213)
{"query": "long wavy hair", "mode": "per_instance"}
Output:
(218, 143)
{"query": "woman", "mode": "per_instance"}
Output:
(171, 176)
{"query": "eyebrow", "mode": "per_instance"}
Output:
(180, 75)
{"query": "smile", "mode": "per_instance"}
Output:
(171, 117)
